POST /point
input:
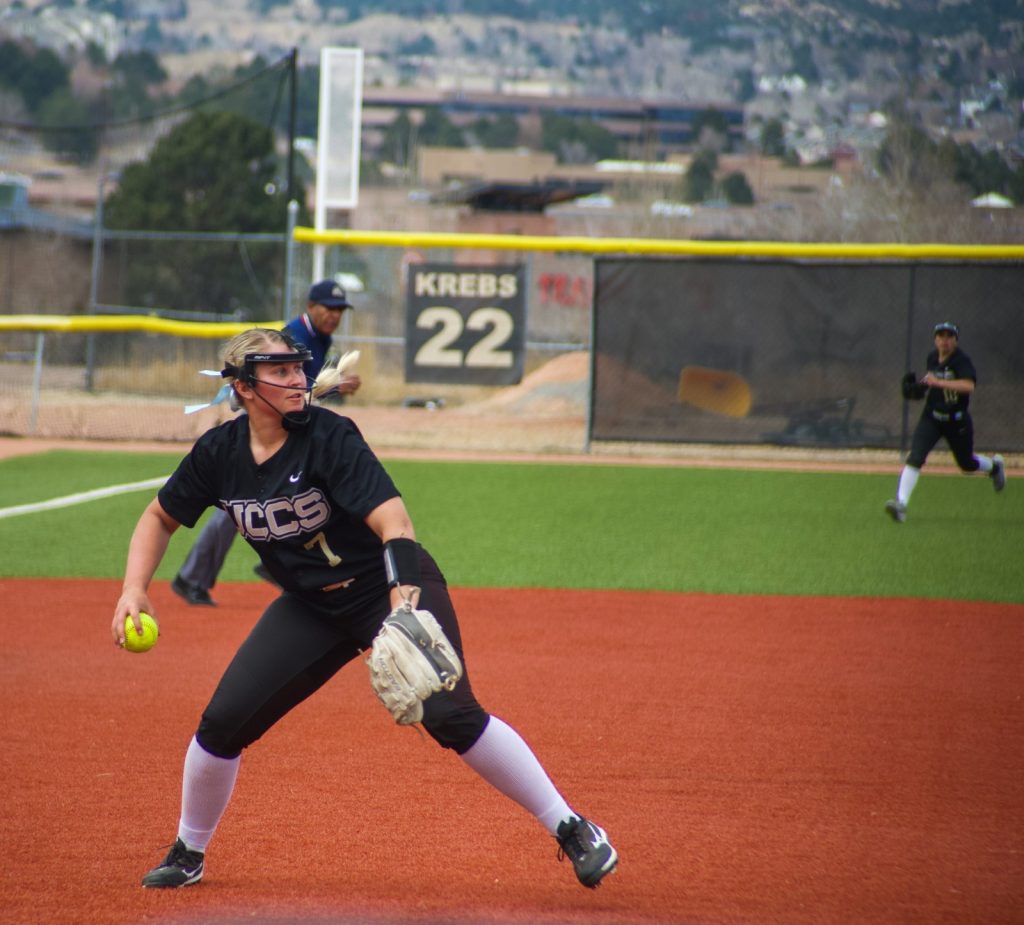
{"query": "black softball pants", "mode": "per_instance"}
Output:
(959, 435)
(295, 648)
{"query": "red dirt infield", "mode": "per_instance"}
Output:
(754, 760)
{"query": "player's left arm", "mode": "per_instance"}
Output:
(411, 657)
(391, 521)
(145, 552)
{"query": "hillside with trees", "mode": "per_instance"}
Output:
(941, 80)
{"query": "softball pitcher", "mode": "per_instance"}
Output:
(309, 495)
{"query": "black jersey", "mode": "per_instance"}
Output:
(303, 510)
(957, 366)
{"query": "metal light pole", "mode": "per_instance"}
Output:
(289, 259)
(293, 206)
(293, 70)
(94, 279)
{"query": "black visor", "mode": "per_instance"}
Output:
(300, 355)
(247, 371)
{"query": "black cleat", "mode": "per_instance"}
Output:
(192, 594)
(181, 867)
(896, 511)
(998, 475)
(587, 846)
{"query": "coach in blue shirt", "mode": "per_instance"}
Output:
(314, 328)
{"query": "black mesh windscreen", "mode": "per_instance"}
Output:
(796, 353)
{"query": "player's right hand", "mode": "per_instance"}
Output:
(129, 604)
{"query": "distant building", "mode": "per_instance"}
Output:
(155, 9)
(13, 191)
(64, 29)
(656, 127)
(16, 214)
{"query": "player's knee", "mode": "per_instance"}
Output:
(216, 739)
(452, 724)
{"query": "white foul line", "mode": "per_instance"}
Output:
(81, 497)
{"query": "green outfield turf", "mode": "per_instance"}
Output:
(592, 526)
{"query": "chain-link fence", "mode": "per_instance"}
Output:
(132, 384)
(742, 347)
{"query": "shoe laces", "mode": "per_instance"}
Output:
(181, 856)
(571, 844)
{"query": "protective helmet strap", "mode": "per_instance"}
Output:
(290, 420)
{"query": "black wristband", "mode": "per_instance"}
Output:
(402, 562)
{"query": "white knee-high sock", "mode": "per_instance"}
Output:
(506, 762)
(206, 788)
(908, 479)
(984, 463)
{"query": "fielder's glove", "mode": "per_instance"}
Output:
(912, 389)
(411, 659)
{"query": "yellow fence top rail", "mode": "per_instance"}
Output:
(146, 323)
(587, 245)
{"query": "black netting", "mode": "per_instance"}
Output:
(795, 353)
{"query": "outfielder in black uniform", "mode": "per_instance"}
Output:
(309, 495)
(946, 389)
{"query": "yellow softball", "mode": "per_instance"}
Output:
(133, 642)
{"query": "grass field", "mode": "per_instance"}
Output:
(583, 526)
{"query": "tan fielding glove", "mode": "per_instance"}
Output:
(411, 659)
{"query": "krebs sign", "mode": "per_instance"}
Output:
(465, 324)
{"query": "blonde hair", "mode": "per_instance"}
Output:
(254, 341)
(250, 341)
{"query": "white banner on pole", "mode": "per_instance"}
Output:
(338, 136)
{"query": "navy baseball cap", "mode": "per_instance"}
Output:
(947, 326)
(329, 294)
